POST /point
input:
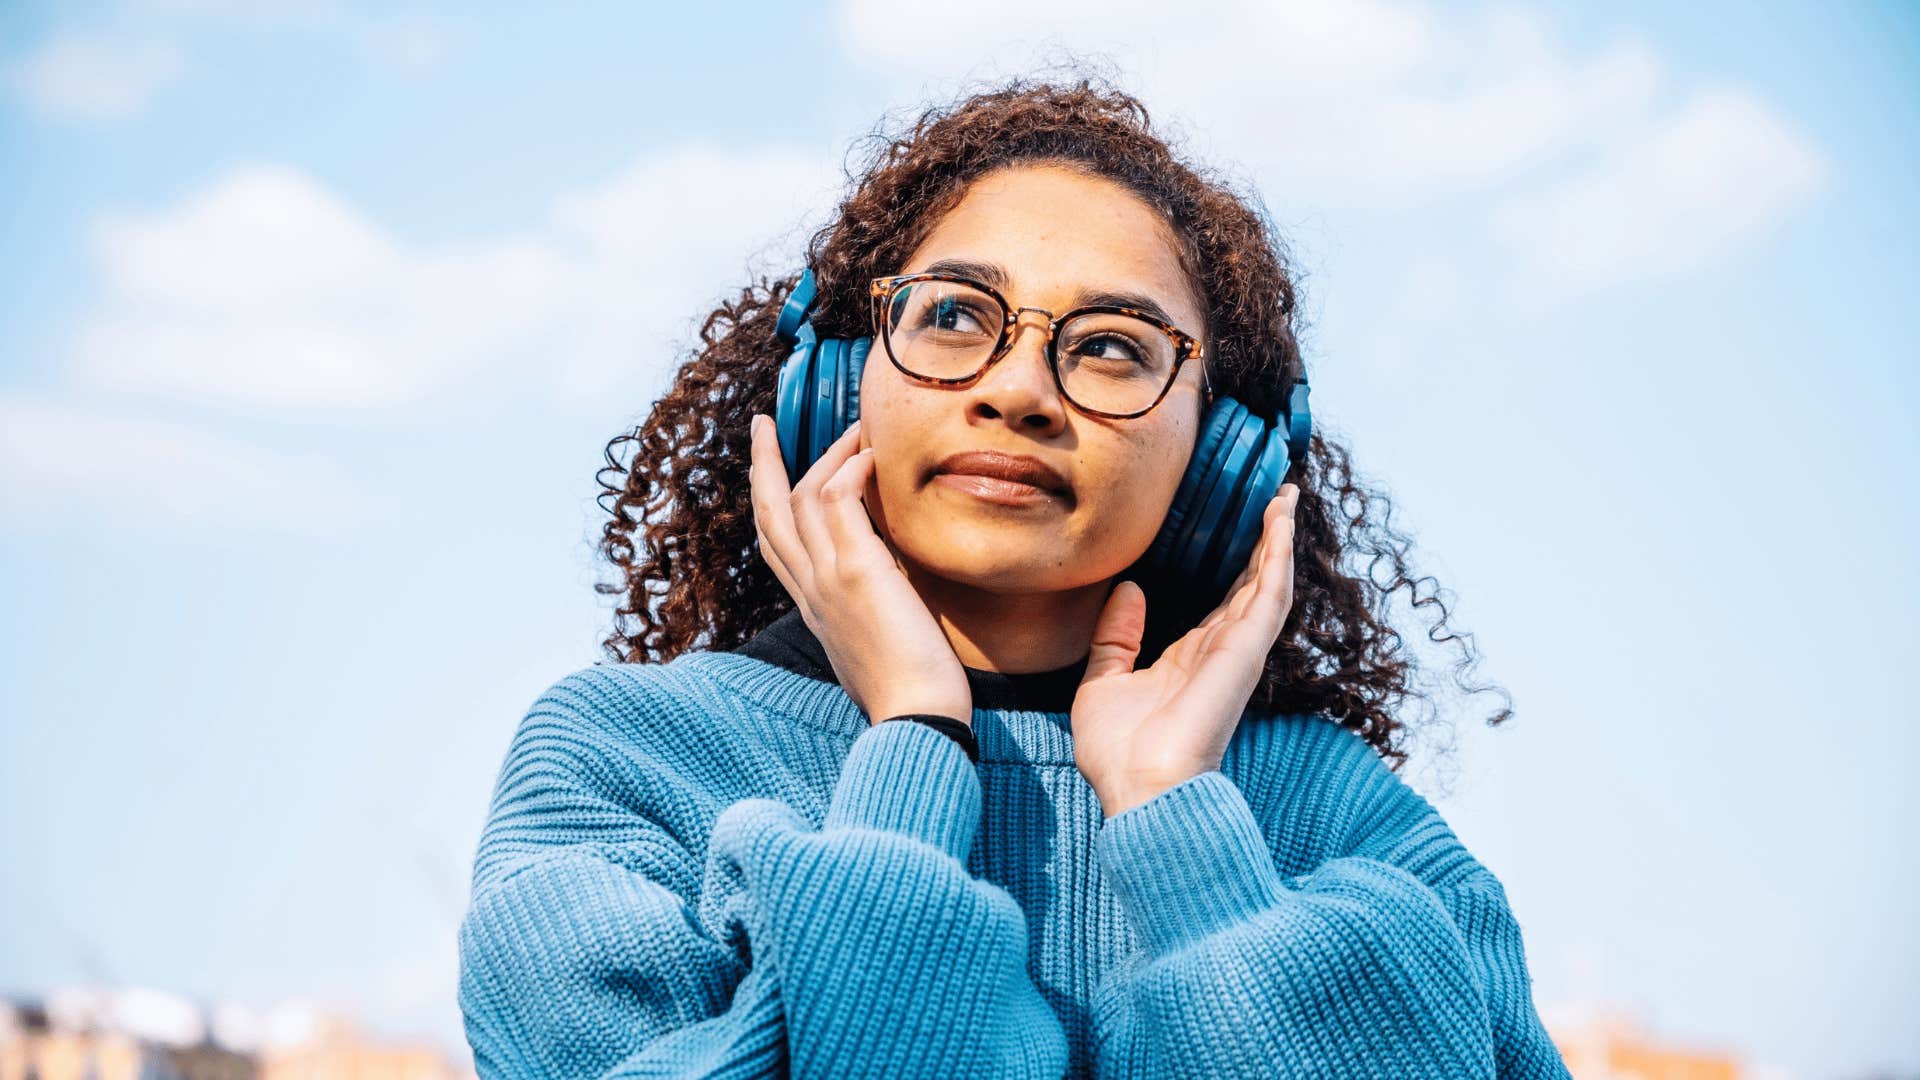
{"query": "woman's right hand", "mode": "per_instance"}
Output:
(886, 648)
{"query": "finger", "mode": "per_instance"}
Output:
(808, 518)
(1117, 633)
(786, 577)
(1246, 584)
(844, 509)
(830, 460)
(1273, 590)
(772, 511)
(1253, 589)
(1276, 534)
(1230, 605)
(798, 594)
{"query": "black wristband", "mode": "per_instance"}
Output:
(958, 730)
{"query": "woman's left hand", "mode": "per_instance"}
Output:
(1138, 733)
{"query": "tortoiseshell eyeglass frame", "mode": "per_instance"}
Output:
(1187, 347)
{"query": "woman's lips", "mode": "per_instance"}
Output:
(995, 490)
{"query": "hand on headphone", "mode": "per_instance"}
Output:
(885, 646)
(1138, 733)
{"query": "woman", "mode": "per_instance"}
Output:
(942, 794)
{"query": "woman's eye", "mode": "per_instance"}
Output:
(954, 315)
(1109, 347)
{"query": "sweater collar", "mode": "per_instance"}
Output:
(788, 642)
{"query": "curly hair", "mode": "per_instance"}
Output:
(681, 529)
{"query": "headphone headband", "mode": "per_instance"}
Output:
(797, 309)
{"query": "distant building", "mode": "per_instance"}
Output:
(147, 1035)
(342, 1061)
(1602, 1045)
(41, 1054)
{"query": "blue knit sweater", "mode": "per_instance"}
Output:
(718, 867)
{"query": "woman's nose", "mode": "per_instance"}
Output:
(1019, 385)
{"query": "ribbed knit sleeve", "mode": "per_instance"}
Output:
(1356, 968)
(869, 950)
(893, 960)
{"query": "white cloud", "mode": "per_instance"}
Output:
(1334, 102)
(266, 289)
(1391, 103)
(1681, 193)
(262, 235)
(402, 42)
(76, 77)
(56, 458)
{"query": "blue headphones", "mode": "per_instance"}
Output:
(1210, 529)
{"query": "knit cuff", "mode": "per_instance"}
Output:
(1188, 862)
(911, 779)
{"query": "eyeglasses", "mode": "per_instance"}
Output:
(947, 329)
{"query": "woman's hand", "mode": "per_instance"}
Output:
(1138, 733)
(886, 648)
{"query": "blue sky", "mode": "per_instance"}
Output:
(317, 318)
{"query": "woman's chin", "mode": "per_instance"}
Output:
(1001, 567)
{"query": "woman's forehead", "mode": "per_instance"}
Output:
(1047, 236)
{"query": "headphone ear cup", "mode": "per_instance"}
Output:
(1299, 422)
(1214, 522)
(1267, 471)
(1263, 468)
(1191, 493)
(1198, 556)
(837, 385)
(820, 395)
(856, 370)
(792, 415)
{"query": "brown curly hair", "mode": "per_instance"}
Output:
(676, 488)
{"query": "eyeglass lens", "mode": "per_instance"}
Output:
(1108, 362)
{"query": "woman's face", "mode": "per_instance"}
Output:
(1057, 236)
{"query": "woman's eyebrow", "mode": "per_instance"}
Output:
(994, 275)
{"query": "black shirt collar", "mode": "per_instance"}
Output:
(788, 642)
